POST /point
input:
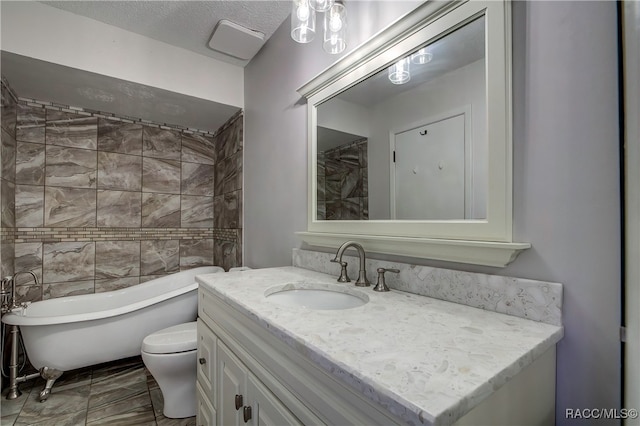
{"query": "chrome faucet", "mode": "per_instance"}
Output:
(5, 294)
(381, 285)
(362, 280)
(11, 281)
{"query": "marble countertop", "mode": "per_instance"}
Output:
(425, 360)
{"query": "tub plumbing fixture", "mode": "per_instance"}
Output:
(5, 294)
(14, 380)
(362, 280)
(10, 301)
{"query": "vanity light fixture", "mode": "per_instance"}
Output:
(303, 23)
(399, 72)
(335, 29)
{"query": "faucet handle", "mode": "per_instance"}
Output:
(381, 285)
(343, 278)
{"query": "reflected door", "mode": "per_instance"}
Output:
(430, 171)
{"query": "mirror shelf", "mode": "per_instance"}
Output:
(483, 236)
(486, 253)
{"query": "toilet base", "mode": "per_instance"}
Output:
(176, 377)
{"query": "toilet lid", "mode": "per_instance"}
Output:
(179, 338)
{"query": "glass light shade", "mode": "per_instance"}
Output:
(399, 72)
(335, 29)
(421, 57)
(321, 5)
(303, 21)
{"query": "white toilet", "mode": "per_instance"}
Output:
(170, 355)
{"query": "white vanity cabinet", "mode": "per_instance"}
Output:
(280, 386)
(225, 383)
(244, 399)
(285, 380)
(206, 414)
(206, 370)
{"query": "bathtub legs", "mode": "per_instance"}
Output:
(14, 379)
(50, 375)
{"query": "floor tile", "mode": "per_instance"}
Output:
(68, 419)
(70, 398)
(119, 393)
(134, 410)
(14, 406)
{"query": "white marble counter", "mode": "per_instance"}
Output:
(426, 360)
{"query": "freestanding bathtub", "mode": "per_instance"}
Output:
(78, 331)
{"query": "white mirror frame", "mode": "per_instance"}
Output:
(484, 242)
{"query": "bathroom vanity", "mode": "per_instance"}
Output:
(398, 358)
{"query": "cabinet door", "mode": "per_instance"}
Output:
(232, 385)
(206, 415)
(266, 409)
(207, 361)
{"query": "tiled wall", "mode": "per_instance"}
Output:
(103, 203)
(342, 182)
(7, 180)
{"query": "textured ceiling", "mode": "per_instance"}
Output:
(40, 80)
(185, 24)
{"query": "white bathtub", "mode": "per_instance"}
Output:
(77, 331)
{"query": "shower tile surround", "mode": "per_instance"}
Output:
(105, 202)
(343, 182)
(7, 179)
(530, 299)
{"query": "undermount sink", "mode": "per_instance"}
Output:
(318, 296)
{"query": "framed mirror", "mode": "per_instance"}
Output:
(410, 138)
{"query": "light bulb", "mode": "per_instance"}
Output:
(335, 23)
(303, 12)
(321, 5)
(303, 21)
(335, 29)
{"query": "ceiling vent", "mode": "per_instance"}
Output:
(235, 40)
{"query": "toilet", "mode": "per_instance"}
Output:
(170, 356)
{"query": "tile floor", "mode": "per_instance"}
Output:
(120, 393)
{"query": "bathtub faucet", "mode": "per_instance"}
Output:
(5, 294)
(11, 282)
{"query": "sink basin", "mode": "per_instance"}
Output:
(316, 296)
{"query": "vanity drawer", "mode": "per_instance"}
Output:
(207, 348)
(206, 415)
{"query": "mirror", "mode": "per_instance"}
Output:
(421, 125)
(410, 138)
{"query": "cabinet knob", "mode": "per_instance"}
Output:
(246, 415)
(239, 402)
(202, 361)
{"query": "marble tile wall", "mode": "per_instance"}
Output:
(8, 115)
(103, 202)
(343, 182)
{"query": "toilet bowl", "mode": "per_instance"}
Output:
(170, 356)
